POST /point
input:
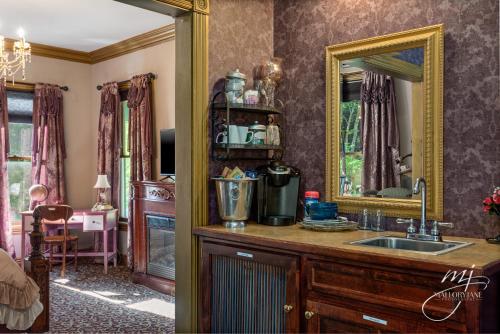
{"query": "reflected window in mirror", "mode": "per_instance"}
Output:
(381, 124)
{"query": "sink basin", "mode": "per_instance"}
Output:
(420, 246)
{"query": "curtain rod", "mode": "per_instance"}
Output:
(150, 75)
(20, 84)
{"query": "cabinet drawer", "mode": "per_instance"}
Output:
(404, 290)
(76, 218)
(342, 318)
(93, 223)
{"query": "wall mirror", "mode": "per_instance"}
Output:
(384, 122)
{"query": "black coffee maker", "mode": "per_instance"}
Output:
(277, 194)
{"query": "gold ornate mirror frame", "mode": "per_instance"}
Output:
(431, 40)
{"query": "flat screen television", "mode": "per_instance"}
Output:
(167, 163)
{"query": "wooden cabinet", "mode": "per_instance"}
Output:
(248, 290)
(153, 212)
(345, 317)
(256, 287)
(344, 294)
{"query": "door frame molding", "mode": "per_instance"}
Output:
(191, 145)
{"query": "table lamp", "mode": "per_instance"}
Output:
(101, 185)
(38, 193)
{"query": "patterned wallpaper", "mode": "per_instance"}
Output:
(240, 36)
(302, 29)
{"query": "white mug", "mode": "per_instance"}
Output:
(243, 134)
(234, 136)
(222, 135)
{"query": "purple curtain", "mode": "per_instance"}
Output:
(379, 132)
(5, 231)
(49, 149)
(109, 141)
(141, 141)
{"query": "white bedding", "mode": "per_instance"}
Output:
(20, 319)
(19, 295)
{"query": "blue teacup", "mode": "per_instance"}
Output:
(323, 210)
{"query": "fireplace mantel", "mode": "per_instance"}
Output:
(153, 202)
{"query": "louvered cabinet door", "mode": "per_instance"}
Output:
(248, 291)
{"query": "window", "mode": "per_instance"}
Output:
(20, 105)
(124, 163)
(351, 162)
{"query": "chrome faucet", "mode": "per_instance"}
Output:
(435, 234)
(421, 186)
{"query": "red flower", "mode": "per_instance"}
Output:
(487, 201)
(486, 208)
(496, 199)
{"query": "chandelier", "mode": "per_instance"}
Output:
(11, 64)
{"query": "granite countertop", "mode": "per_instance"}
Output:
(293, 238)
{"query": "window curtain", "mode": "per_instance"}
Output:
(141, 141)
(5, 230)
(49, 149)
(379, 132)
(109, 141)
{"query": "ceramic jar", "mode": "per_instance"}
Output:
(259, 133)
(235, 86)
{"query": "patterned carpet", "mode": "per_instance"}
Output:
(90, 302)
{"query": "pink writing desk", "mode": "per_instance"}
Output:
(86, 221)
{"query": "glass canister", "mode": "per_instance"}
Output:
(259, 133)
(310, 198)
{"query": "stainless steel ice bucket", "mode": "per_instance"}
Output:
(234, 199)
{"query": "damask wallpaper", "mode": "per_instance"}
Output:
(242, 33)
(240, 36)
(302, 29)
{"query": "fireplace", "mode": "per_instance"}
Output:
(160, 246)
(153, 212)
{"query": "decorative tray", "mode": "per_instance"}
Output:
(329, 225)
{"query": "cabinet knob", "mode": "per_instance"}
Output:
(287, 308)
(308, 315)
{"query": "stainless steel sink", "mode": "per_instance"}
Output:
(420, 246)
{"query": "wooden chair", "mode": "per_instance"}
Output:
(51, 216)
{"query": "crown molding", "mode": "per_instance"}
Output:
(181, 4)
(135, 43)
(142, 41)
(199, 6)
(54, 52)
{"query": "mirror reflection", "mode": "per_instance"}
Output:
(381, 124)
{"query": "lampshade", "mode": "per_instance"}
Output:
(38, 192)
(102, 182)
